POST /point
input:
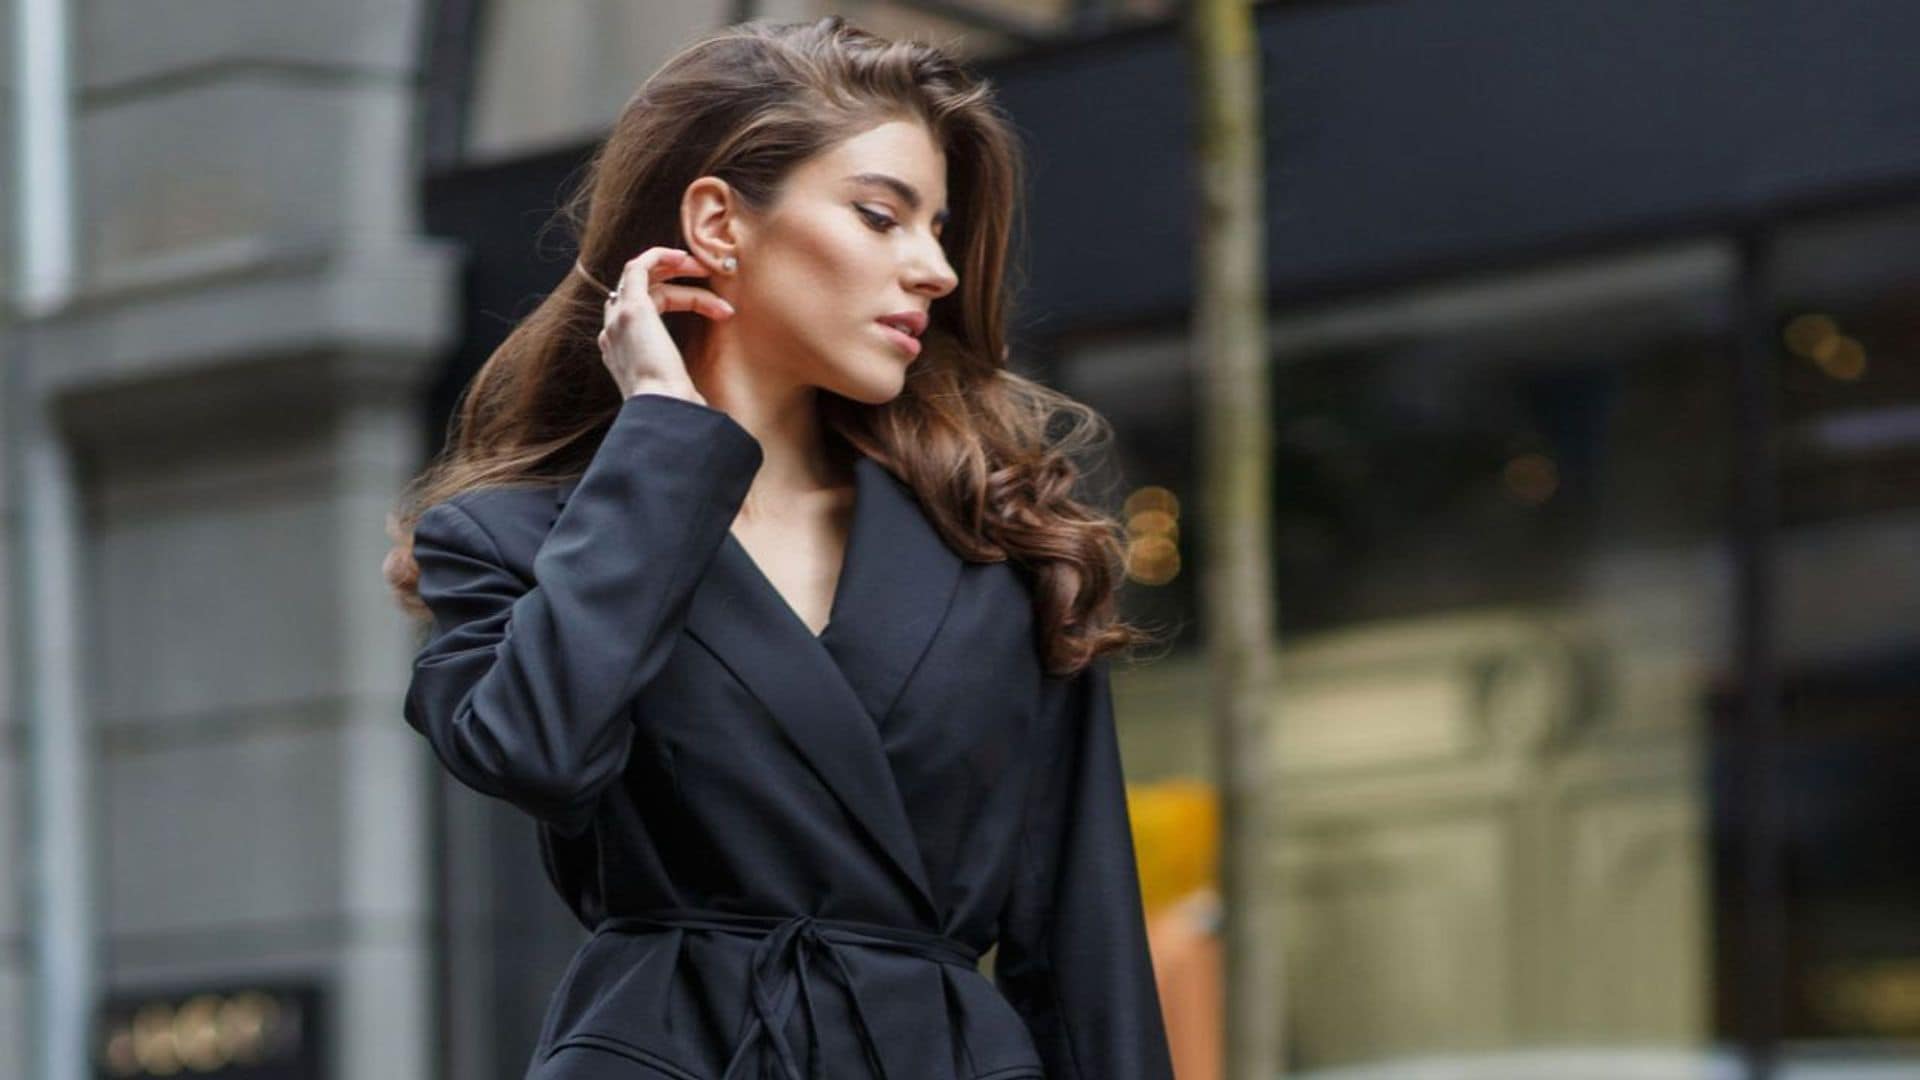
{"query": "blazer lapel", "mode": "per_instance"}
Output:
(893, 592)
(831, 694)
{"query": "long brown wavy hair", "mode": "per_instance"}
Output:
(971, 438)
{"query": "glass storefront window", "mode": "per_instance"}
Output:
(1847, 582)
(1508, 602)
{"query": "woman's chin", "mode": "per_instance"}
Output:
(875, 387)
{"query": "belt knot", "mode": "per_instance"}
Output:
(779, 968)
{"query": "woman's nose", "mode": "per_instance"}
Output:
(935, 273)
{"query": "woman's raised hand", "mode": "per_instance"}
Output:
(634, 343)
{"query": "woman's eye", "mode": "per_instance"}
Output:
(880, 222)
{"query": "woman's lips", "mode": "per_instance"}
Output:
(906, 341)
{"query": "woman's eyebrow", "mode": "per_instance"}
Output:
(901, 188)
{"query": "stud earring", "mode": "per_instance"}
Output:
(729, 264)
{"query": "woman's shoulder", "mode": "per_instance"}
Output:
(515, 518)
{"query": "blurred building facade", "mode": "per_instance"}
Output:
(234, 390)
(1597, 419)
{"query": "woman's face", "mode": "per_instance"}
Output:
(855, 237)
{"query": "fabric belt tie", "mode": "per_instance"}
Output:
(779, 968)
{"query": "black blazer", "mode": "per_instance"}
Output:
(791, 850)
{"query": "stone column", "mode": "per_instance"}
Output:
(240, 384)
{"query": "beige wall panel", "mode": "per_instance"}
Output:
(1396, 938)
(1637, 961)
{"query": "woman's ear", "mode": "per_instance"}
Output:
(711, 221)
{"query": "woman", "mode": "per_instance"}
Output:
(789, 633)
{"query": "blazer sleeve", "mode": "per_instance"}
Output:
(521, 685)
(1072, 956)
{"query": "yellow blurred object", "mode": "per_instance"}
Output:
(1176, 837)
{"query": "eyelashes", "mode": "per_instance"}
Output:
(880, 222)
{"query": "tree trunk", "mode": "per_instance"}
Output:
(1230, 350)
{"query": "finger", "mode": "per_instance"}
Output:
(658, 261)
(616, 305)
(641, 266)
(637, 272)
(692, 298)
(678, 264)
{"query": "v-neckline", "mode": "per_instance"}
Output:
(832, 694)
(840, 574)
